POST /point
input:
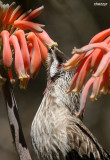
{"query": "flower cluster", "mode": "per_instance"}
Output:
(25, 50)
(93, 58)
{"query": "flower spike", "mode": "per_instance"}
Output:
(93, 58)
(25, 50)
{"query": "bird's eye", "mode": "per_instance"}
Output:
(59, 66)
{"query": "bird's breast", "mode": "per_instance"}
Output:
(48, 130)
(49, 127)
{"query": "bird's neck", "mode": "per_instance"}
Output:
(58, 91)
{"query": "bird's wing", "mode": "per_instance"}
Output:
(83, 145)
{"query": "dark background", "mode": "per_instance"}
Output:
(70, 23)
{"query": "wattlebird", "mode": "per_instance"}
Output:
(57, 134)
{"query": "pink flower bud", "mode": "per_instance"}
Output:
(44, 37)
(30, 49)
(76, 58)
(103, 65)
(19, 64)
(9, 13)
(96, 57)
(83, 74)
(84, 96)
(106, 83)
(97, 84)
(36, 55)
(7, 54)
(100, 36)
(15, 14)
(25, 14)
(34, 14)
(43, 51)
(24, 49)
(75, 76)
(35, 27)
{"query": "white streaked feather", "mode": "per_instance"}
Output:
(54, 126)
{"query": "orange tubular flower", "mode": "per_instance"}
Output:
(94, 58)
(43, 50)
(36, 56)
(25, 50)
(44, 37)
(7, 54)
(19, 64)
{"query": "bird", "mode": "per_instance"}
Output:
(56, 132)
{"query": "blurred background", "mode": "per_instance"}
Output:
(70, 23)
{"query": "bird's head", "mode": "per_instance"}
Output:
(55, 61)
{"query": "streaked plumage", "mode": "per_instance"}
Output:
(57, 134)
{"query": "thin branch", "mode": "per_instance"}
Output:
(14, 120)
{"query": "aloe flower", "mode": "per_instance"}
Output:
(24, 50)
(93, 58)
